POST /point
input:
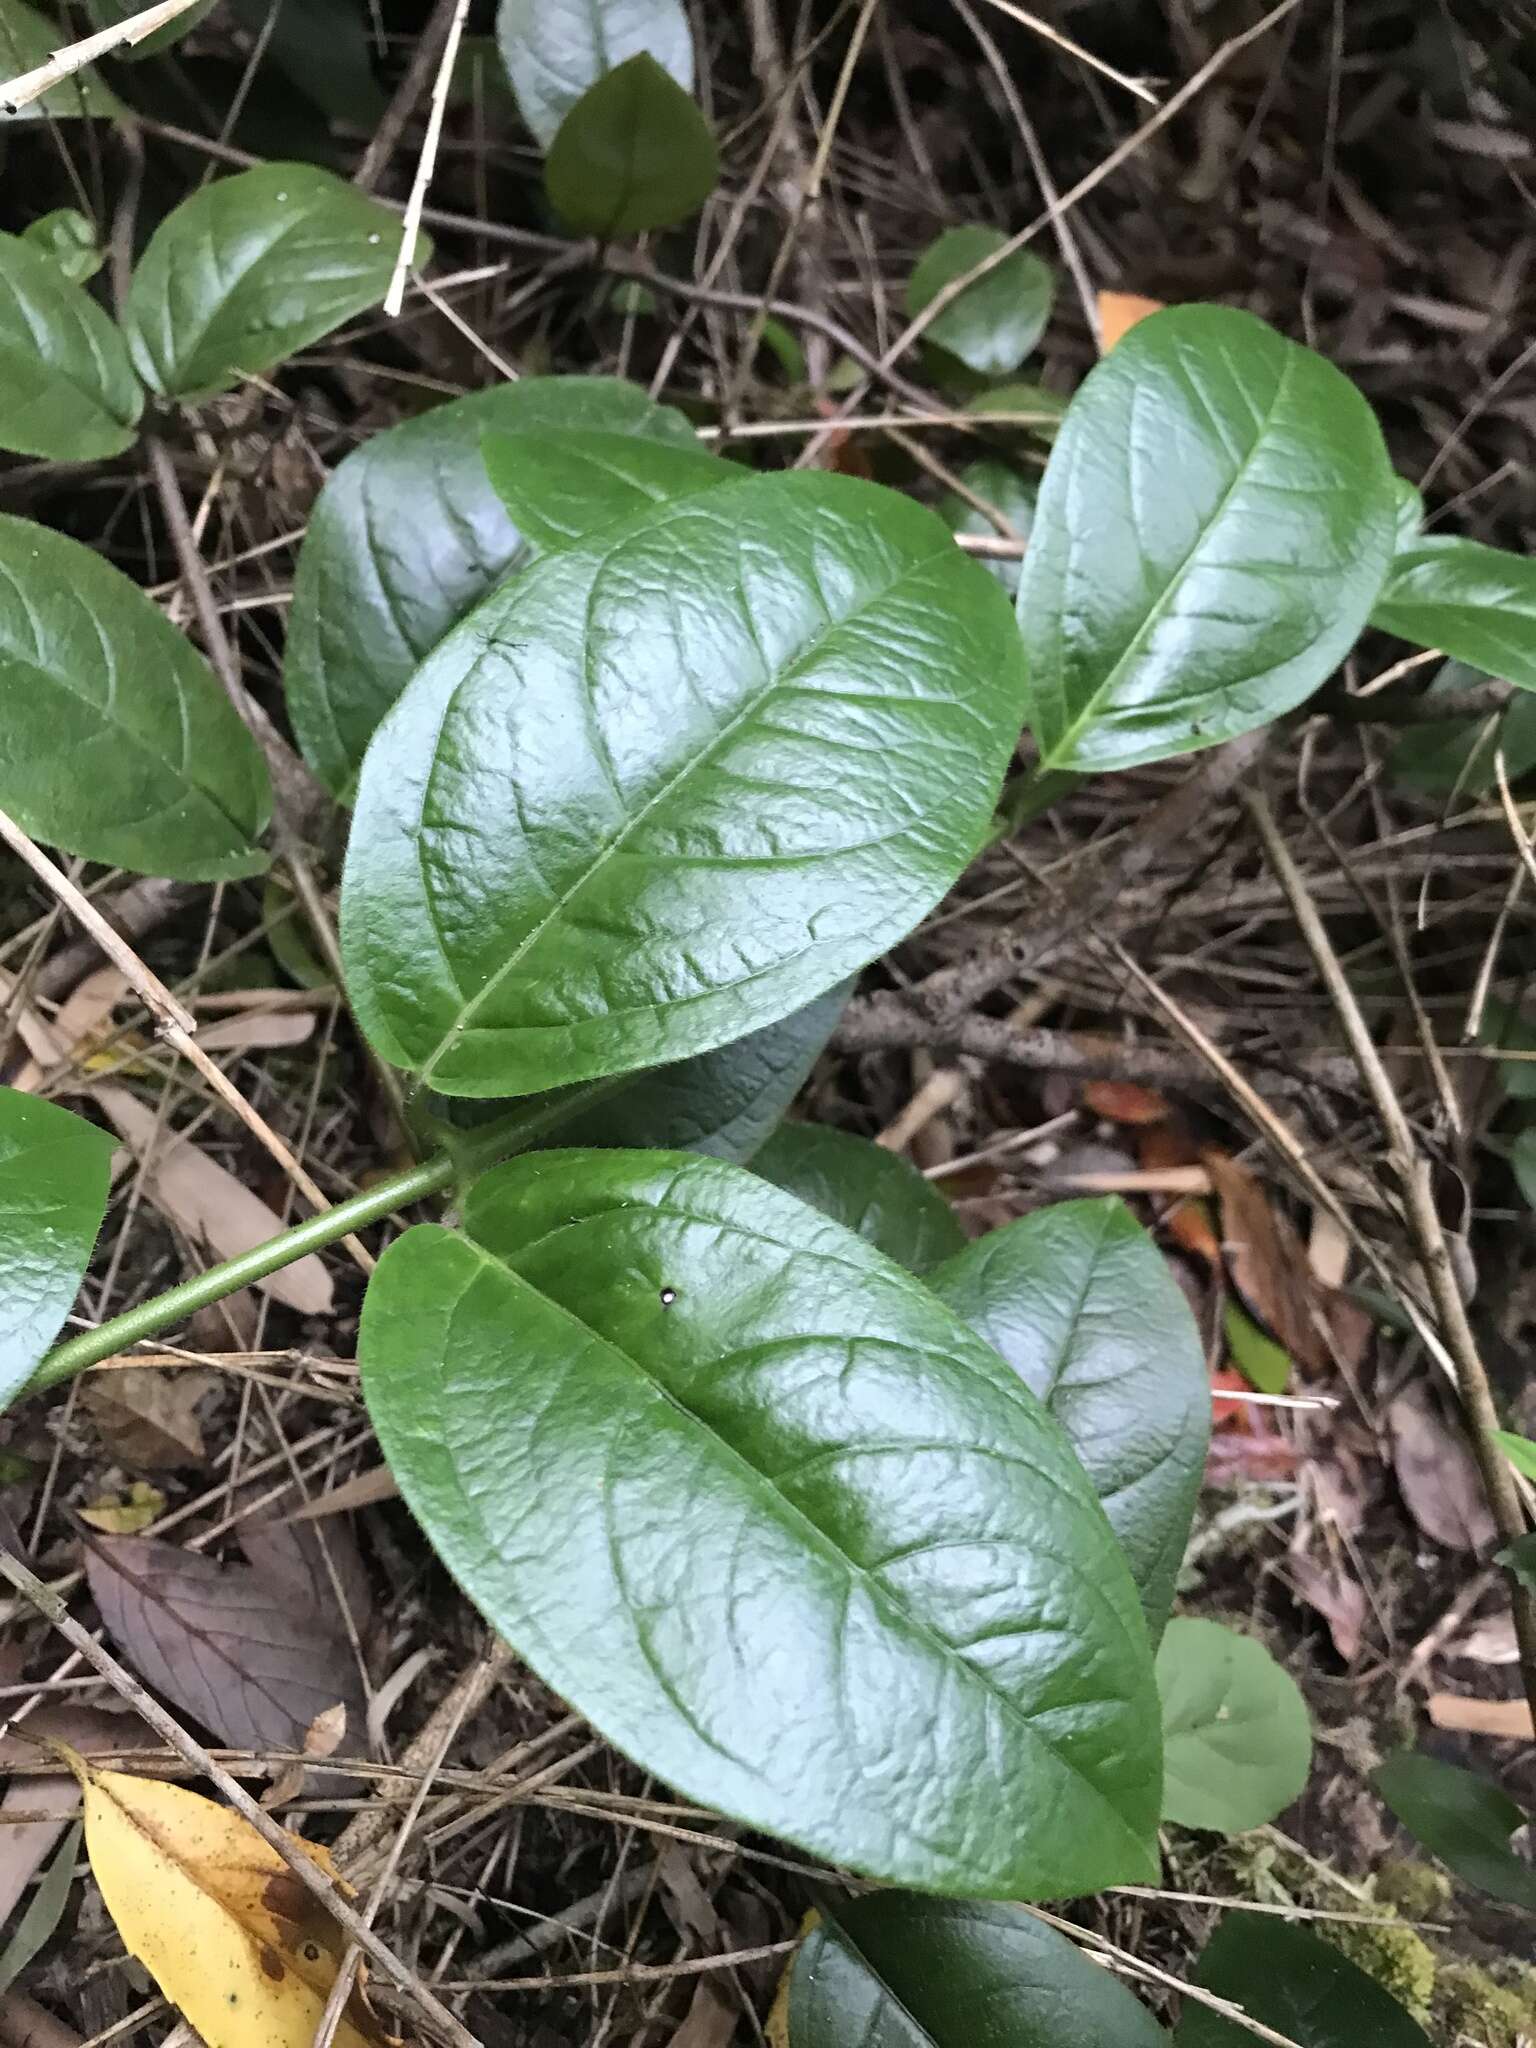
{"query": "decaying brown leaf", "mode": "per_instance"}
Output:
(148, 1418)
(1119, 313)
(26, 1844)
(1437, 1474)
(1124, 1102)
(1266, 1261)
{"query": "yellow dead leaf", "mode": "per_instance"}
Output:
(127, 1514)
(230, 1935)
(1118, 314)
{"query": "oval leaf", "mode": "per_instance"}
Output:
(634, 153)
(555, 50)
(1080, 1302)
(67, 388)
(850, 1587)
(665, 787)
(251, 268)
(116, 741)
(53, 1194)
(999, 485)
(990, 325)
(1215, 524)
(1475, 603)
(874, 1193)
(68, 240)
(897, 1971)
(1299, 1986)
(1237, 1742)
(1463, 1819)
(406, 537)
(567, 486)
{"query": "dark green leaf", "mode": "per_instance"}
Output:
(1237, 1741)
(250, 269)
(850, 1587)
(325, 48)
(69, 242)
(569, 485)
(1522, 1158)
(27, 39)
(1473, 602)
(53, 1195)
(1025, 405)
(1519, 1557)
(1006, 491)
(895, 1970)
(556, 50)
(116, 741)
(872, 1192)
(44, 1912)
(1457, 754)
(990, 325)
(67, 388)
(634, 153)
(1080, 1302)
(1463, 1819)
(108, 13)
(405, 538)
(1296, 1984)
(1215, 523)
(1504, 1027)
(667, 786)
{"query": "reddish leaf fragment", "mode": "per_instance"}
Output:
(1124, 1102)
(1266, 1261)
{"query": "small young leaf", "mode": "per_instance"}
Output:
(407, 536)
(28, 38)
(1237, 1742)
(40, 1921)
(895, 1970)
(1519, 1450)
(1081, 1304)
(667, 786)
(1457, 755)
(990, 325)
(555, 50)
(53, 1195)
(67, 388)
(563, 486)
(634, 153)
(874, 1193)
(1463, 1819)
(251, 268)
(1001, 486)
(69, 242)
(1215, 524)
(117, 743)
(1298, 1985)
(850, 1587)
(1263, 1363)
(1475, 603)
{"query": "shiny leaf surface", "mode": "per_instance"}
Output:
(116, 741)
(53, 1195)
(1475, 603)
(562, 486)
(1215, 524)
(874, 1193)
(1081, 1304)
(1296, 1984)
(67, 388)
(667, 786)
(634, 153)
(772, 1520)
(990, 325)
(406, 537)
(1464, 1819)
(555, 50)
(251, 268)
(1237, 1740)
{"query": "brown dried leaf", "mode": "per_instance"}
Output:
(1119, 313)
(363, 1490)
(257, 1031)
(1336, 1596)
(1437, 1474)
(1125, 1102)
(81, 1019)
(303, 1557)
(26, 1844)
(148, 1418)
(1266, 1261)
(1509, 1720)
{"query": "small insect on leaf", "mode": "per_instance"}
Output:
(237, 1944)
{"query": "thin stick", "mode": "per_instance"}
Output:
(31, 85)
(381, 148)
(1138, 86)
(394, 298)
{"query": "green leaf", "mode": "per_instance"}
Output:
(406, 537)
(67, 388)
(44, 1911)
(667, 786)
(116, 741)
(1214, 527)
(1504, 1027)
(1522, 1158)
(1027, 405)
(556, 50)
(1237, 1742)
(1457, 754)
(1001, 486)
(874, 1193)
(53, 1194)
(634, 153)
(1519, 1557)
(895, 1970)
(562, 486)
(1409, 501)
(1262, 1362)
(1292, 1982)
(27, 39)
(1081, 1304)
(1475, 603)
(325, 48)
(250, 269)
(994, 323)
(108, 13)
(1463, 1819)
(1519, 1450)
(68, 240)
(850, 1587)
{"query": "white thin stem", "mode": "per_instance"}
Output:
(394, 298)
(31, 85)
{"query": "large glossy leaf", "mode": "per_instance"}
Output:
(53, 1194)
(28, 38)
(406, 537)
(1080, 1302)
(251, 268)
(116, 741)
(1215, 524)
(895, 1970)
(1473, 602)
(667, 786)
(1296, 1984)
(555, 50)
(634, 153)
(874, 1193)
(772, 1520)
(1464, 1819)
(566, 485)
(992, 324)
(67, 388)
(1237, 1739)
